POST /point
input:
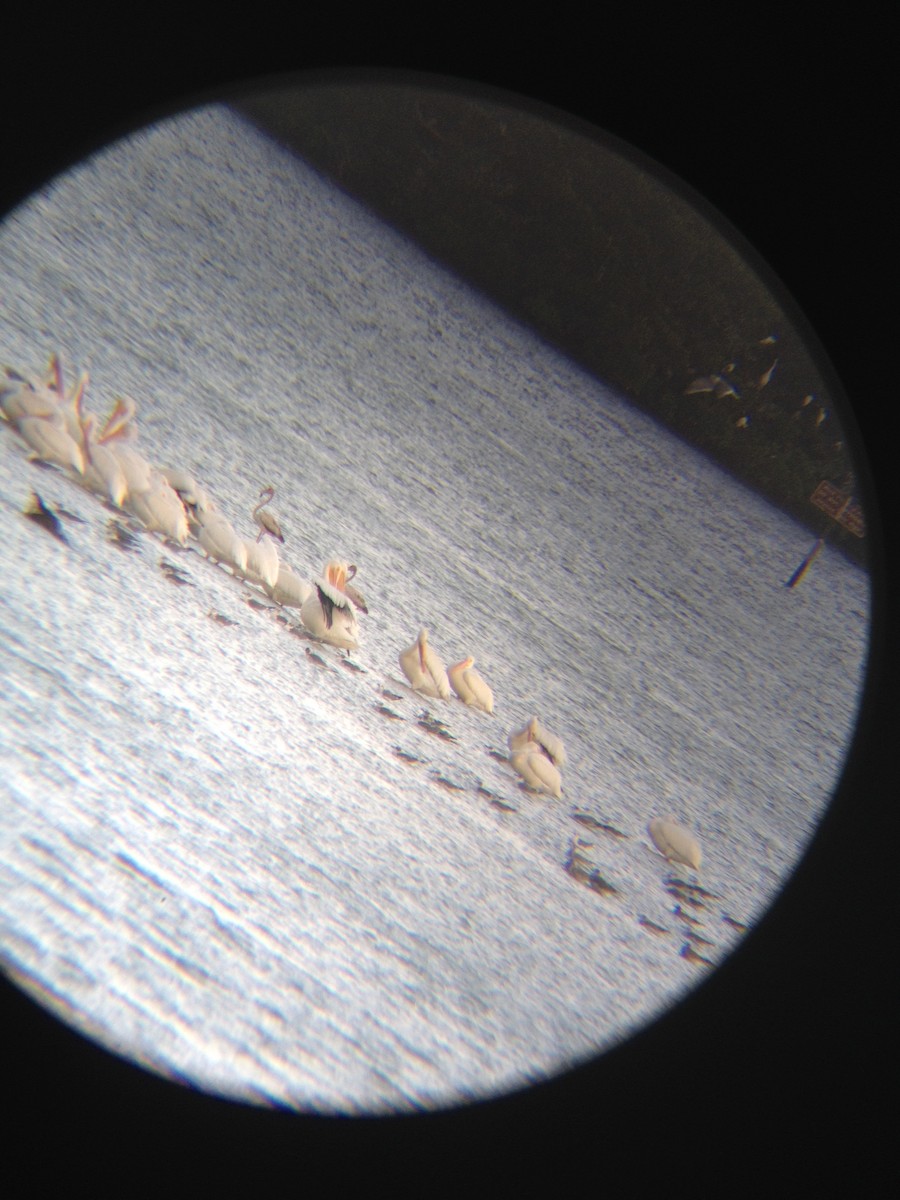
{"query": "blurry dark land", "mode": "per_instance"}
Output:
(619, 271)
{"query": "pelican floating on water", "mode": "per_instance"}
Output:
(548, 743)
(267, 521)
(289, 589)
(193, 496)
(424, 669)
(159, 507)
(262, 563)
(51, 442)
(469, 685)
(22, 397)
(538, 771)
(328, 612)
(219, 541)
(675, 843)
(103, 472)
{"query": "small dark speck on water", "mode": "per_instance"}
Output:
(502, 805)
(580, 868)
(433, 725)
(685, 897)
(651, 925)
(36, 510)
(120, 536)
(387, 712)
(405, 756)
(692, 956)
(679, 912)
(593, 823)
(696, 940)
(316, 658)
(220, 617)
(695, 888)
(446, 783)
(171, 571)
(69, 516)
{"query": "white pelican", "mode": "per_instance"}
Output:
(22, 397)
(122, 420)
(219, 541)
(159, 507)
(267, 521)
(328, 611)
(424, 669)
(546, 741)
(262, 563)
(103, 472)
(675, 843)
(193, 496)
(289, 589)
(118, 432)
(469, 685)
(51, 442)
(538, 771)
(70, 402)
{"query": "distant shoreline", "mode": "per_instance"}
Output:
(619, 272)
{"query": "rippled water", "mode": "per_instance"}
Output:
(239, 857)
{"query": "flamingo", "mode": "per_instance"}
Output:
(424, 669)
(469, 685)
(328, 611)
(267, 521)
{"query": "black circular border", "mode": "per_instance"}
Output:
(784, 1051)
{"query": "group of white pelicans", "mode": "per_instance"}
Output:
(52, 421)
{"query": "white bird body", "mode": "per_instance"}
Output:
(219, 541)
(675, 843)
(187, 487)
(160, 509)
(21, 398)
(289, 589)
(546, 741)
(103, 472)
(262, 563)
(469, 685)
(137, 471)
(70, 405)
(424, 669)
(537, 770)
(51, 443)
(328, 611)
